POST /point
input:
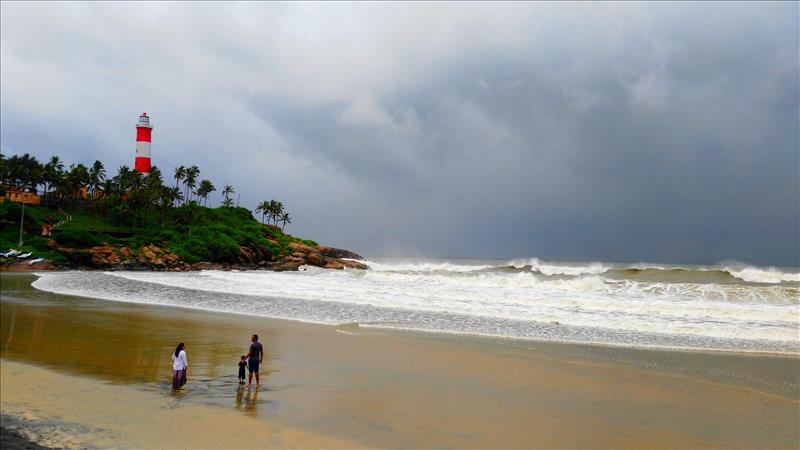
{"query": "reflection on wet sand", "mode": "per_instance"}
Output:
(65, 411)
(247, 399)
(250, 400)
(11, 330)
(239, 394)
(127, 346)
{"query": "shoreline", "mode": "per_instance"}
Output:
(362, 387)
(32, 272)
(658, 341)
(610, 351)
(501, 338)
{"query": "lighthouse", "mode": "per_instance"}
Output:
(143, 131)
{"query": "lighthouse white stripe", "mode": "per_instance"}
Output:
(142, 149)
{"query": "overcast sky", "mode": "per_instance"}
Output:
(591, 131)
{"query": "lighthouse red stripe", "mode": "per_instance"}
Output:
(143, 134)
(142, 164)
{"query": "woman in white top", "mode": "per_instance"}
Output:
(179, 366)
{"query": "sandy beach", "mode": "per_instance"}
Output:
(85, 372)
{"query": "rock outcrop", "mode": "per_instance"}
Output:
(149, 257)
(318, 256)
(338, 253)
(153, 257)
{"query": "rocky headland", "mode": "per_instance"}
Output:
(182, 238)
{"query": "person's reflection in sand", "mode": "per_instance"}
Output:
(239, 394)
(250, 402)
(10, 330)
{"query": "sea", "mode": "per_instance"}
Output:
(723, 307)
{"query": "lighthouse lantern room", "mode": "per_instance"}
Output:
(143, 131)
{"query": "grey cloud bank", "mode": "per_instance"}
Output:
(617, 132)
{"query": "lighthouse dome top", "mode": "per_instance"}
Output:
(144, 121)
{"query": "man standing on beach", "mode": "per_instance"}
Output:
(254, 357)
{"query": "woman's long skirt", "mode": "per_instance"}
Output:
(178, 378)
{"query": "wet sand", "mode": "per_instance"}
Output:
(11, 440)
(98, 373)
(73, 412)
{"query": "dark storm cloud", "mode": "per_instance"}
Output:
(660, 132)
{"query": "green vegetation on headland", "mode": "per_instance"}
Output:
(136, 221)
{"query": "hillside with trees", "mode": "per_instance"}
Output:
(129, 220)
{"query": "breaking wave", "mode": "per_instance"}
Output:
(677, 274)
(724, 307)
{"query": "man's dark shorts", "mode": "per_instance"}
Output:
(252, 365)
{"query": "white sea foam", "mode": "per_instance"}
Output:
(582, 300)
(536, 265)
(427, 267)
(763, 275)
(750, 274)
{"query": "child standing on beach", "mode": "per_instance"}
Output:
(242, 365)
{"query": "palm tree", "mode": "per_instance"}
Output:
(122, 181)
(176, 195)
(97, 173)
(154, 178)
(53, 171)
(275, 210)
(153, 184)
(11, 171)
(204, 189)
(279, 211)
(24, 172)
(108, 187)
(167, 198)
(164, 202)
(63, 187)
(262, 208)
(50, 170)
(211, 188)
(136, 180)
(227, 191)
(55, 161)
(78, 177)
(180, 174)
(191, 180)
(285, 219)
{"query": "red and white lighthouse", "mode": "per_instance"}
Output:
(143, 132)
